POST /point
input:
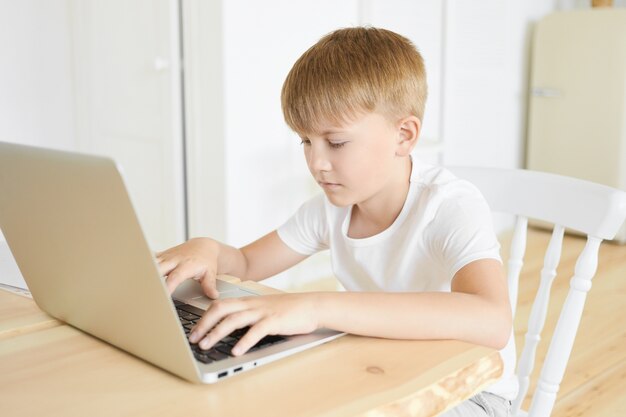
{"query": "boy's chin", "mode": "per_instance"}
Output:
(339, 201)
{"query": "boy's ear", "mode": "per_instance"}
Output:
(409, 130)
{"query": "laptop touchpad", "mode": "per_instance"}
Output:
(191, 293)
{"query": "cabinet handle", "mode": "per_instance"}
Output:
(161, 64)
(546, 92)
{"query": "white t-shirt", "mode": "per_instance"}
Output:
(444, 225)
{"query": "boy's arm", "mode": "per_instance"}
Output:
(477, 310)
(267, 257)
(203, 259)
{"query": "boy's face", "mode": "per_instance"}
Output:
(356, 161)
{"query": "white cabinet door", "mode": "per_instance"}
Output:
(128, 106)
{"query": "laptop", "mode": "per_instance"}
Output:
(72, 229)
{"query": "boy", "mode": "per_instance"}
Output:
(413, 245)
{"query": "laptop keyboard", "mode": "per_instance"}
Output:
(189, 316)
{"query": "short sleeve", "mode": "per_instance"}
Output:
(306, 232)
(462, 231)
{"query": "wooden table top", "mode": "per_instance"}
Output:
(19, 315)
(55, 369)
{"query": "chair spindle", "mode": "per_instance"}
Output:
(516, 259)
(538, 315)
(565, 332)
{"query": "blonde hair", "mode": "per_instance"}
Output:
(352, 71)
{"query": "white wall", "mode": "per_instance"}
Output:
(36, 74)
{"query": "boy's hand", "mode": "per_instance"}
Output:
(284, 314)
(196, 258)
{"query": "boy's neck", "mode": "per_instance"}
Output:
(376, 214)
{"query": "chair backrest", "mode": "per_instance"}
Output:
(595, 210)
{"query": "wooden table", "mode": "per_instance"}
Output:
(19, 315)
(51, 369)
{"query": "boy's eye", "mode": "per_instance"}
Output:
(334, 145)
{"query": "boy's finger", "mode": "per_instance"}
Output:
(229, 324)
(165, 267)
(209, 285)
(210, 319)
(178, 275)
(251, 338)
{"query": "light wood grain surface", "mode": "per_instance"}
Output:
(19, 315)
(75, 374)
(62, 371)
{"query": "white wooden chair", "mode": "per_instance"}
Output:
(593, 209)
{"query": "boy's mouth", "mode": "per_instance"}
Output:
(329, 185)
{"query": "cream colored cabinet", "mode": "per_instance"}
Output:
(577, 114)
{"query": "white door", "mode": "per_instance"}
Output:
(128, 103)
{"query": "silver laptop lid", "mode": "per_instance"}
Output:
(71, 227)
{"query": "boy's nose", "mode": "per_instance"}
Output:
(318, 160)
